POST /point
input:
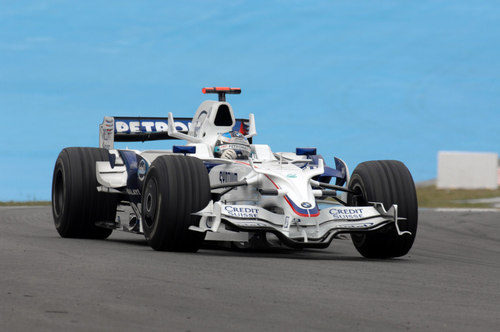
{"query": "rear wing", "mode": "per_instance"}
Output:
(141, 129)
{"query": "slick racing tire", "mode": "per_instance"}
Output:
(388, 182)
(175, 187)
(76, 203)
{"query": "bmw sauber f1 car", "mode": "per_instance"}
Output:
(219, 186)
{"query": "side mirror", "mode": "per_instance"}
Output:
(184, 149)
(305, 151)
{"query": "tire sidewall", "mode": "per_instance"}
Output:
(150, 231)
(60, 217)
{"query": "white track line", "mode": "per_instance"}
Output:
(460, 209)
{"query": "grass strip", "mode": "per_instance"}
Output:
(24, 203)
(431, 197)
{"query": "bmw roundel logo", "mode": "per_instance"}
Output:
(306, 205)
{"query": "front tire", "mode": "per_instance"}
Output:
(175, 187)
(388, 182)
(76, 203)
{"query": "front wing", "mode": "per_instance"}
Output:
(295, 231)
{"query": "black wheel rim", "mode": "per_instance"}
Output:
(358, 198)
(150, 202)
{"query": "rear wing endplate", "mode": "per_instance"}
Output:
(141, 129)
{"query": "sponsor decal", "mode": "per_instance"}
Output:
(306, 205)
(291, 176)
(363, 225)
(235, 146)
(134, 126)
(347, 213)
(142, 169)
(241, 212)
(147, 126)
(228, 177)
(133, 191)
(249, 223)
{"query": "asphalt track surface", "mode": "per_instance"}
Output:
(449, 281)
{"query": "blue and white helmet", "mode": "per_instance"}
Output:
(232, 145)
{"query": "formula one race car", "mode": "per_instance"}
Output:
(220, 187)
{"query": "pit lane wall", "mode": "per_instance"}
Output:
(467, 170)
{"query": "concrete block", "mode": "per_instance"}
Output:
(467, 170)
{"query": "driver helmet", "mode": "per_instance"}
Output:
(232, 145)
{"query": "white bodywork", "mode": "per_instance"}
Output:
(280, 196)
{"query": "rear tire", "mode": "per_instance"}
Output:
(388, 182)
(174, 188)
(76, 203)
